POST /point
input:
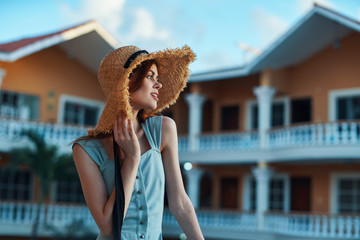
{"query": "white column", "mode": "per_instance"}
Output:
(264, 95)
(2, 74)
(193, 182)
(195, 102)
(262, 175)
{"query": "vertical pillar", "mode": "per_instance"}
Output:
(2, 74)
(193, 183)
(195, 102)
(264, 95)
(262, 175)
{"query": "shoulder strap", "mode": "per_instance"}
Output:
(118, 211)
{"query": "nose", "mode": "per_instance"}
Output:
(158, 85)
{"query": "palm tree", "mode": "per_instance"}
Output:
(46, 164)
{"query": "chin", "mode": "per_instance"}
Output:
(150, 108)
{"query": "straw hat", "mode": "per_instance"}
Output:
(116, 68)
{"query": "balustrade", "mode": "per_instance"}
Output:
(326, 226)
(56, 134)
(337, 133)
(306, 225)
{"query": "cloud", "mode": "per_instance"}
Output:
(212, 60)
(306, 5)
(130, 27)
(267, 25)
(144, 27)
(108, 12)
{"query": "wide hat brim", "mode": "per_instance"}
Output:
(173, 70)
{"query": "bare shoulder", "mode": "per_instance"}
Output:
(168, 131)
(168, 124)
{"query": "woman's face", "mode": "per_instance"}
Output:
(147, 96)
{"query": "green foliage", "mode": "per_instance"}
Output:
(44, 161)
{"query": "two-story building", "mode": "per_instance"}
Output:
(48, 83)
(278, 140)
(269, 150)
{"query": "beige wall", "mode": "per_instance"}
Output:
(50, 70)
(222, 93)
(320, 175)
(330, 69)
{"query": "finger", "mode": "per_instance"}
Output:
(120, 127)
(125, 128)
(131, 129)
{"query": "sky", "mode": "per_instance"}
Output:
(214, 29)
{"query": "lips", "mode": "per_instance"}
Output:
(155, 96)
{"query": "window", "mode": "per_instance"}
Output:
(69, 192)
(75, 110)
(206, 190)
(207, 116)
(229, 193)
(348, 195)
(278, 193)
(15, 185)
(80, 114)
(230, 118)
(348, 108)
(344, 104)
(18, 105)
(279, 114)
(301, 110)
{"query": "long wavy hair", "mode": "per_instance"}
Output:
(136, 78)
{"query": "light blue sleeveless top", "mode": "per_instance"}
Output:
(143, 218)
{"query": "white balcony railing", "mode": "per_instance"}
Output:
(308, 226)
(222, 141)
(56, 134)
(59, 215)
(328, 134)
(337, 133)
(325, 226)
(221, 220)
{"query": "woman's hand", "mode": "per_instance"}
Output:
(126, 138)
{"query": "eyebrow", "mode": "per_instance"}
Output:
(157, 77)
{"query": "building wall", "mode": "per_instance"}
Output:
(48, 74)
(320, 74)
(313, 78)
(319, 173)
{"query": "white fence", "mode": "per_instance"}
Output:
(304, 225)
(222, 141)
(57, 215)
(56, 134)
(337, 133)
(325, 226)
(221, 220)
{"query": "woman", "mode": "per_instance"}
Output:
(136, 85)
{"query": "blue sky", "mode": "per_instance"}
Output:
(212, 28)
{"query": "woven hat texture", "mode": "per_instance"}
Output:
(113, 77)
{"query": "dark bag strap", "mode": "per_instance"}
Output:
(118, 211)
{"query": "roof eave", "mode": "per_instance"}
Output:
(57, 39)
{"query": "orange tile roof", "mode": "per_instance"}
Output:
(15, 45)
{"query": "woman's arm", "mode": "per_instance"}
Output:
(92, 183)
(179, 203)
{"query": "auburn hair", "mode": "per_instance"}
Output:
(135, 80)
